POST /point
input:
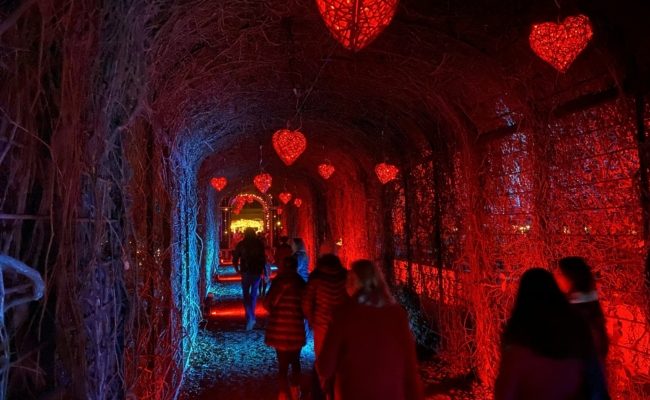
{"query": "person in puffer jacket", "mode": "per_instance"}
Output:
(325, 292)
(285, 330)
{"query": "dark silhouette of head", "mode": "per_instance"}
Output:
(289, 264)
(543, 321)
(249, 233)
(329, 262)
(366, 283)
(298, 245)
(578, 273)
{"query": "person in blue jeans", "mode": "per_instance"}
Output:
(249, 259)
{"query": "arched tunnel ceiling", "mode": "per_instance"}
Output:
(240, 59)
(236, 71)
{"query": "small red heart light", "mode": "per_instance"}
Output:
(289, 145)
(560, 44)
(219, 183)
(285, 197)
(280, 211)
(355, 24)
(263, 182)
(250, 199)
(326, 170)
(297, 202)
(386, 172)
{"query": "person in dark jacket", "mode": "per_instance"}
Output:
(547, 350)
(285, 330)
(283, 250)
(249, 259)
(369, 350)
(300, 254)
(577, 281)
(324, 293)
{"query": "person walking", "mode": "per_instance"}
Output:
(285, 330)
(324, 293)
(369, 350)
(577, 282)
(283, 250)
(300, 253)
(249, 259)
(547, 349)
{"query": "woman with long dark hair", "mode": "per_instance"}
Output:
(548, 351)
(369, 351)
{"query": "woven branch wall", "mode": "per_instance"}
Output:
(526, 200)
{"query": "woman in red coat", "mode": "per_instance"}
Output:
(369, 351)
(285, 330)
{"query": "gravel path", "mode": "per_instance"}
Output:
(230, 363)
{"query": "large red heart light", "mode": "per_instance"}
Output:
(289, 145)
(219, 183)
(263, 182)
(560, 44)
(297, 202)
(285, 197)
(326, 170)
(355, 24)
(386, 172)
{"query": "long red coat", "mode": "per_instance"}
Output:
(370, 353)
(285, 329)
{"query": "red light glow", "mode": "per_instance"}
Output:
(386, 172)
(289, 145)
(263, 182)
(297, 202)
(285, 197)
(355, 24)
(219, 183)
(560, 44)
(326, 170)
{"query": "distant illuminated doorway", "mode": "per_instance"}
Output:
(247, 210)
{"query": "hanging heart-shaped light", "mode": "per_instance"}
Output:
(386, 172)
(219, 183)
(279, 210)
(284, 197)
(263, 182)
(297, 202)
(326, 170)
(355, 24)
(289, 145)
(560, 44)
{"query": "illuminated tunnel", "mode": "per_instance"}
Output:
(116, 117)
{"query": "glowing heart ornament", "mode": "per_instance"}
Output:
(560, 44)
(326, 170)
(263, 182)
(297, 202)
(284, 197)
(289, 145)
(219, 183)
(355, 24)
(386, 172)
